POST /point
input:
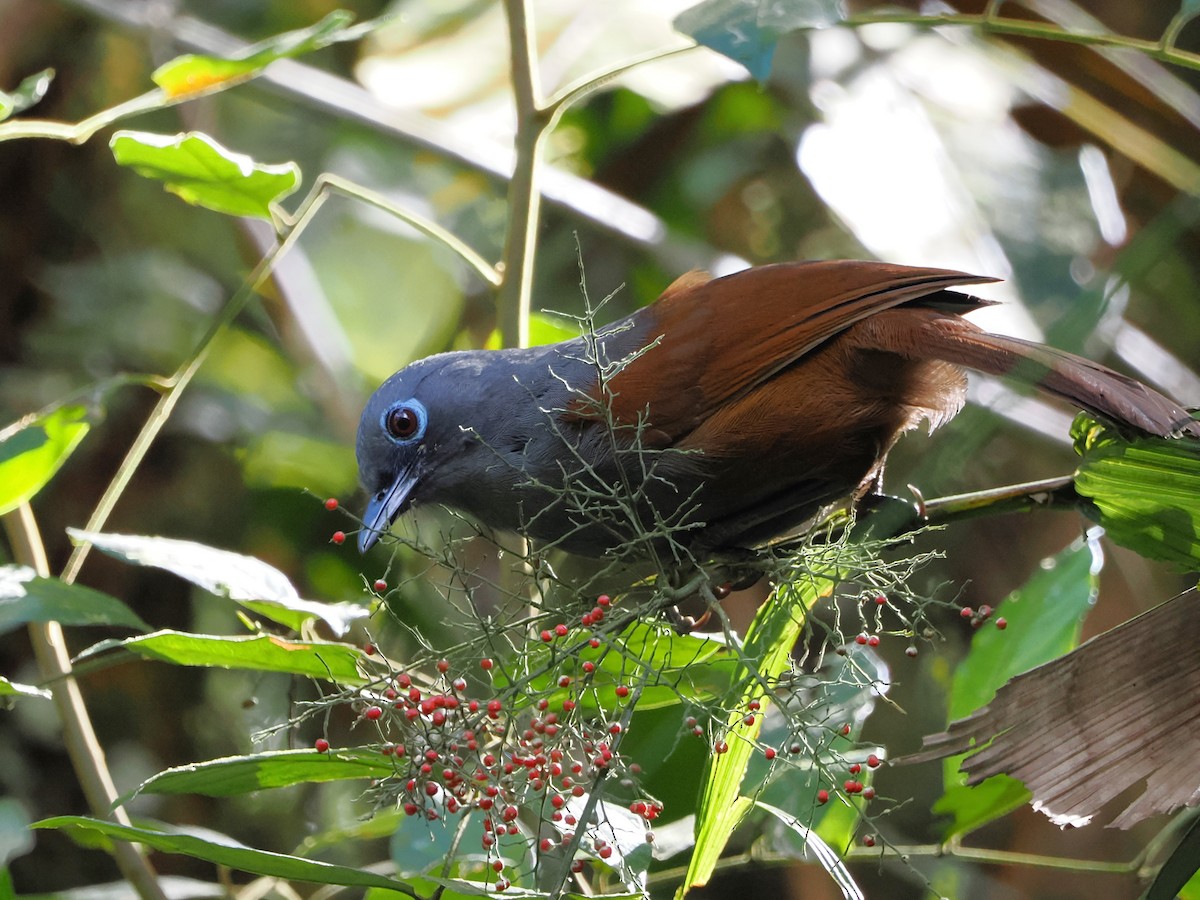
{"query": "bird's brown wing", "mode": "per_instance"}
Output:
(719, 339)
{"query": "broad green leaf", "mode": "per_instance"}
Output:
(667, 667)
(199, 170)
(191, 73)
(25, 598)
(29, 92)
(12, 689)
(225, 852)
(1147, 490)
(766, 653)
(263, 653)
(1045, 618)
(32, 449)
(234, 775)
(243, 579)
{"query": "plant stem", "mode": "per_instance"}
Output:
(87, 756)
(524, 191)
(180, 380)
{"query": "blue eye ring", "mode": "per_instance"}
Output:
(404, 422)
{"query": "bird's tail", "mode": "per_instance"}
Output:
(1124, 401)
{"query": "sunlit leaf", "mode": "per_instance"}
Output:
(1147, 490)
(766, 653)
(243, 579)
(264, 653)
(667, 667)
(224, 851)
(12, 689)
(1044, 621)
(199, 170)
(234, 775)
(25, 598)
(15, 837)
(193, 72)
(32, 449)
(825, 855)
(746, 30)
(29, 92)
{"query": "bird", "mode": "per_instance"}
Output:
(729, 412)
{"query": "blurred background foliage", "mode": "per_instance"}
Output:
(1061, 168)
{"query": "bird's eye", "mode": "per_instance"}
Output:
(405, 421)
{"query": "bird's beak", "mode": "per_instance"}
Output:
(384, 507)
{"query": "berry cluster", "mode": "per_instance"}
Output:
(525, 763)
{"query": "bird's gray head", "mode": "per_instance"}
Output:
(411, 424)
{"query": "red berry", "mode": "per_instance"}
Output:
(622, 690)
(614, 728)
(603, 600)
(880, 600)
(594, 643)
(380, 586)
(605, 852)
(911, 651)
(749, 720)
(322, 745)
(868, 793)
(855, 768)
(985, 611)
(564, 681)
(1002, 623)
(846, 730)
(873, 761)
(331, 504)
(494, 707)
(860, 639)
(561, 630)
(853, 787)
(339, 537)
(443, 666)
(568, 705)
(721, 747)
(547, 636)
(754, 706)
(369, 649)
(873, 641)
(486, 664)
(373, 713)
(410, 809)
(589, 666)
(869, 840)
(769, 753)
(822, 796)
(547, 845)
(966, 612)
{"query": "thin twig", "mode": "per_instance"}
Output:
(87, 756)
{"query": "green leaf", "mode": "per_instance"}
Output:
(243, 579)
(263, 653)
(666, 666)
(1045, 618)
(766, 653)
(234, 775)
(1180, 868)
(825, 855)
(199, 170)
(25, 597)
(1147, 490)
(12, 689)
(29, 92)
(746, 31)
(32, 449)
(193, 72)
(226, 852)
